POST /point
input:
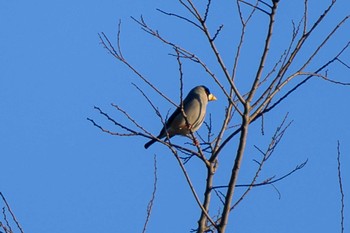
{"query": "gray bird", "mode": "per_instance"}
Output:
(194, 106)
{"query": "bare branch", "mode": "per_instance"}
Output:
(228, 113)
(202, 223)
(277, 80)
(235, 170)
(219, 194)
(186, 54)
(118, 55)
(150, 203)
(274, 82)
(108, 131)
(180, 17)
(204, 211)
(270, 180)
(129, 117)
(324, 77)
(255, 6)
(133, 132)
(6, 220)
(343, 63)
(188, 8)
(118, 40)
(335, 29)
(341, 190)
(292, 56)
(305, 16)
(276, 138)
(150, 102)
(258, 113)
(207, 11)
(217, 32)
(11, 213)
(265, 53)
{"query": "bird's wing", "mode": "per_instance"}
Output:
(168, 123)
(173, 116)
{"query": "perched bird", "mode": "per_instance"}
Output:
(194, 106)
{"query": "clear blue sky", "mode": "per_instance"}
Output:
(61, 174)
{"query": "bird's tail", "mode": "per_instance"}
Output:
(148, 144)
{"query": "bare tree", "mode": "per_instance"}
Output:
(269, 86)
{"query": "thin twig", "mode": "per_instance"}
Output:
(341, 190)
(10, 211)
(267, 181)
(254, 6)
(207, 10)
(217, 32)
(150, 203)
(131, 119)
(114, 122)
(108, 131)
(6, 220)
(104, 40)
(188, 8)
(180, 17)
(343, 63)
(150, 102)
(321, 45)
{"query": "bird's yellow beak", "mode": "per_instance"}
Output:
(212, 97)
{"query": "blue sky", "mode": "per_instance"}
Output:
(59, 173)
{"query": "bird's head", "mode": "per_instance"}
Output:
(211, 97)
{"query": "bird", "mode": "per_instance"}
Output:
(194, 106)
